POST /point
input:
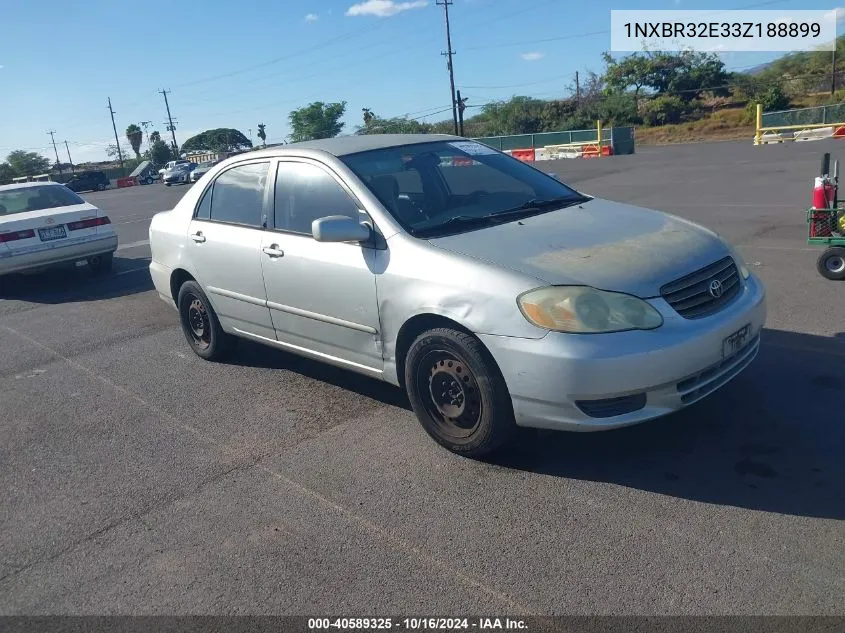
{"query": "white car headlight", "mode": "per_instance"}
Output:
(585, 310)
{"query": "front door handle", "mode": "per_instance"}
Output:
(198, 237)
(273, 251)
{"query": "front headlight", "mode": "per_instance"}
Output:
(585, 310)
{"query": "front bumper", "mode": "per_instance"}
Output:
(52, 254)
(664, 369)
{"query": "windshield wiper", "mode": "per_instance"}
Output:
(538, 204)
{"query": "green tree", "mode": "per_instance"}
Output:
(134, 135)
(774, 98)
(25, 163)
(664, 109)
(368, 115)
(395, 125)
(155, 136)
(317, 120)
(6, 173)
(633, 71)
(160, 152)
(262, 134)
(217, 140)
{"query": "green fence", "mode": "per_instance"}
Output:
(819, 115)
(621, 138)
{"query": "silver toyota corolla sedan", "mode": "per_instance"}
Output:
(496, 295)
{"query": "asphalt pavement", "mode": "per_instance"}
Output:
(142, 480)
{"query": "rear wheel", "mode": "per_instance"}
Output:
(458, 393)
(101, 187)
(101, 264)
(831, 263)
(200, 323)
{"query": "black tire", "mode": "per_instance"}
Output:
(450, 372)
(200, 323)
(101, 264)
(831, 263)
(167, 184)
(101, 187)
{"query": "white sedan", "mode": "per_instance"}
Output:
(44, 224)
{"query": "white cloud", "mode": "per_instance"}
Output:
(838, 12)
(384, 8)
(312, 17)
(533, 57)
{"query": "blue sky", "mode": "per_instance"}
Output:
(237, 64)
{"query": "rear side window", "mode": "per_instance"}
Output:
(204, 207)
(237, 195)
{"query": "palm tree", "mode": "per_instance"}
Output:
(262, 134)
(135, 136)
(368, 115)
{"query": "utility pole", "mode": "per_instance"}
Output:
(449, 52)
(577, 88)
(250, 135)
(116, 140)
(170, 126)
(462, 105)
(69, 159)
(58, 162)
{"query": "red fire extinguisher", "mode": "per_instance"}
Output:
(824, 200)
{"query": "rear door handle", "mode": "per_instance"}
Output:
(198, 237)
(273, 251)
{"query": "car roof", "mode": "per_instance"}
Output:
(27, 185)
(343, 145)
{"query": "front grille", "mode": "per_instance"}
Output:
(690, 296)
(610, 407)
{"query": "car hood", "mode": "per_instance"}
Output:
(603, 244)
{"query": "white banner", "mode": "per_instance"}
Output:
(722, 31)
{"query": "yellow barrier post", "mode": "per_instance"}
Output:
(759, 125)
(598, 136)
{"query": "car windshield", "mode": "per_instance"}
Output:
(36, 198)
(453, 186)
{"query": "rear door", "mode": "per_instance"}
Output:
(224, 245)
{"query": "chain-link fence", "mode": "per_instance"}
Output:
(819, 115)
(622, 139)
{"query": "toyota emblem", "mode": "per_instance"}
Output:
(716, 288)
(50, 221)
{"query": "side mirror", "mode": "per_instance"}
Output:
(339, 228)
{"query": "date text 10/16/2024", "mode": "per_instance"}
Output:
(417, 624)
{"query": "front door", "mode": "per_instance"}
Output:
(224, 244)
(322, 296)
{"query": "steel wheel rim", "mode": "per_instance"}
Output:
(835, 264)
(450, 393)
(199, 325)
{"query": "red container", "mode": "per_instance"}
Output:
(823, 193)
(526, 155)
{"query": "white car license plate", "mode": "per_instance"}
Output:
(52, 233)
(736, 341)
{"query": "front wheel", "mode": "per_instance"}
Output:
(167, 184)
(458, 392)
(200, 323)
(831, 263)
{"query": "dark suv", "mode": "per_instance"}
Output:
(88, 181)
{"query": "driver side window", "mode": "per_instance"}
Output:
(304, 193)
